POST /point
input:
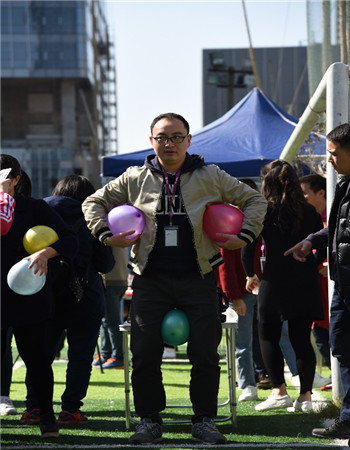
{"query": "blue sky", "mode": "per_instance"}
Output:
(158, 48)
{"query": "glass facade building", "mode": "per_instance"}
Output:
(58, 81)
(45, 39)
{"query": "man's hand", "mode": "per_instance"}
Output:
(252, 283)
(233, 241)
(239, 306)
(4, 185)
(120, 239)
(300, 250)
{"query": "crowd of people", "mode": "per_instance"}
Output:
(274, 272)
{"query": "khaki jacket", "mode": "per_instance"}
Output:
(201, 185)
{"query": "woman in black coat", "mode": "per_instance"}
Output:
(28, 314)
(288, 290)
(81, 319)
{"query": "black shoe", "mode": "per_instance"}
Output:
(264, 381)
(48, 426)
(147, 432)
(340, 429)
(207, 432)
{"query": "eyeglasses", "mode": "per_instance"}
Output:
(173, 139)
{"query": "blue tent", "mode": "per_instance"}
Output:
(240, 142)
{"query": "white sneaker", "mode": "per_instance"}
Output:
(169, 353)
(320, 381)
(7, 407)
(305, 407)
(249, 393)
(274, 403)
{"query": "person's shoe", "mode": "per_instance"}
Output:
(31, 417)
(264, 381)
(320, 381)
(48, 426)
(274, 403)
(249, 393)
(328, 387)
(66, 418)
(207, 432)
(96, 361)
(113, 363)
(6, 406)
(147, 432)
(305, 407)
(340, 429)
(169, 353)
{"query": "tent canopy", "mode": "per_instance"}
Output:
(251, 134)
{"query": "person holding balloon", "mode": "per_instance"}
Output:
(174, 260)
(81, 319)
(26, 307)
(24, 187)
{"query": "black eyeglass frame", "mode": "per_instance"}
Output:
(166, 139)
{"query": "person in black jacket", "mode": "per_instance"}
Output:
(28, 315)
(81, 319)
(337, 236)
(287, 291)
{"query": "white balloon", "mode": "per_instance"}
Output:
(24, 281)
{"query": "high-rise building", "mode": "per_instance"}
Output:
(58, 89)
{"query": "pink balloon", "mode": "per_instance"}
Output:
(125, 218)
(222, 218)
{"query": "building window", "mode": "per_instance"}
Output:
(20, 55)
(19, 19)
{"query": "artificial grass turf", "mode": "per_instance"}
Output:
(105, 408)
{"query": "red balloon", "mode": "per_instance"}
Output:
(125, 218)
(222, 218)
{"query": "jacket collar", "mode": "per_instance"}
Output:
(191, 163)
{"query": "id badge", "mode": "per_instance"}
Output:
(171, 236)
(262, 262)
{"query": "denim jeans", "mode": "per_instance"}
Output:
(287, 350)
(111, 336)
(244, 343)
(339, 331)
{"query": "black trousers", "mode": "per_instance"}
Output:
(299, 335)
(30, 340)
(154, 294)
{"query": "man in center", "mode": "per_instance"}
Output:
(173, 261)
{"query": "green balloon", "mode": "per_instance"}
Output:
(175, 327)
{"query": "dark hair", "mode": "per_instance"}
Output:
(170, 116)
(340, 135)
(282, 190)
(7, 162)
(24, 186)
(74, 186)
(249, 182)
(315, 181)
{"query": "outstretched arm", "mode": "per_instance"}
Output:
(300, 250)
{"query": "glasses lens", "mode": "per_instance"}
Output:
(161, 139)
(177, 139)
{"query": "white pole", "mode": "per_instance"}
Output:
(337, 114)
(332, 96)
(316, 106)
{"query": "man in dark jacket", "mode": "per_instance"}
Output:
(337, 235)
